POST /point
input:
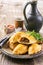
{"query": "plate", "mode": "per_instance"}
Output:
(8, 52)
(21, 56)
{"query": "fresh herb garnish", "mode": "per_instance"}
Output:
(36, 35)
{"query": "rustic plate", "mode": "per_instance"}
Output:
(8, 52)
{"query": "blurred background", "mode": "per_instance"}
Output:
(12, 9)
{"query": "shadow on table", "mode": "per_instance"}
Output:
(20, 61)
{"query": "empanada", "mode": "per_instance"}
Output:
(27, 39)
(13, 45)
(34, 48)
(20, 49)
(15, 37)
(32, 40)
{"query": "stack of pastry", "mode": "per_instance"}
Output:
(22, 43)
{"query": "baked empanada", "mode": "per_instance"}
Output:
(34, 48)
(32, 40)
(15, 37)
(20, 49)
(13, 45)
(27, 39)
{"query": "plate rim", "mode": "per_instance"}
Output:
(22, 56)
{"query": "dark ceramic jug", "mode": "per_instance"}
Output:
(34, 19)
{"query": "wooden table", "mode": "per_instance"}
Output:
(4, 60)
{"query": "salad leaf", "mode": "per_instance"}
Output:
(36, 35)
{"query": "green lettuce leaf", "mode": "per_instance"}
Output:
(36, 35)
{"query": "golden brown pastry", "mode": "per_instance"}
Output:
(15, 37)
(34, 48)
(20, 49)
(27, 39)
(32, 40)
(13, 45)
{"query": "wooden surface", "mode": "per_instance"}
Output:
(4, 60)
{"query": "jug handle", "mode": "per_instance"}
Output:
(24, 12)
